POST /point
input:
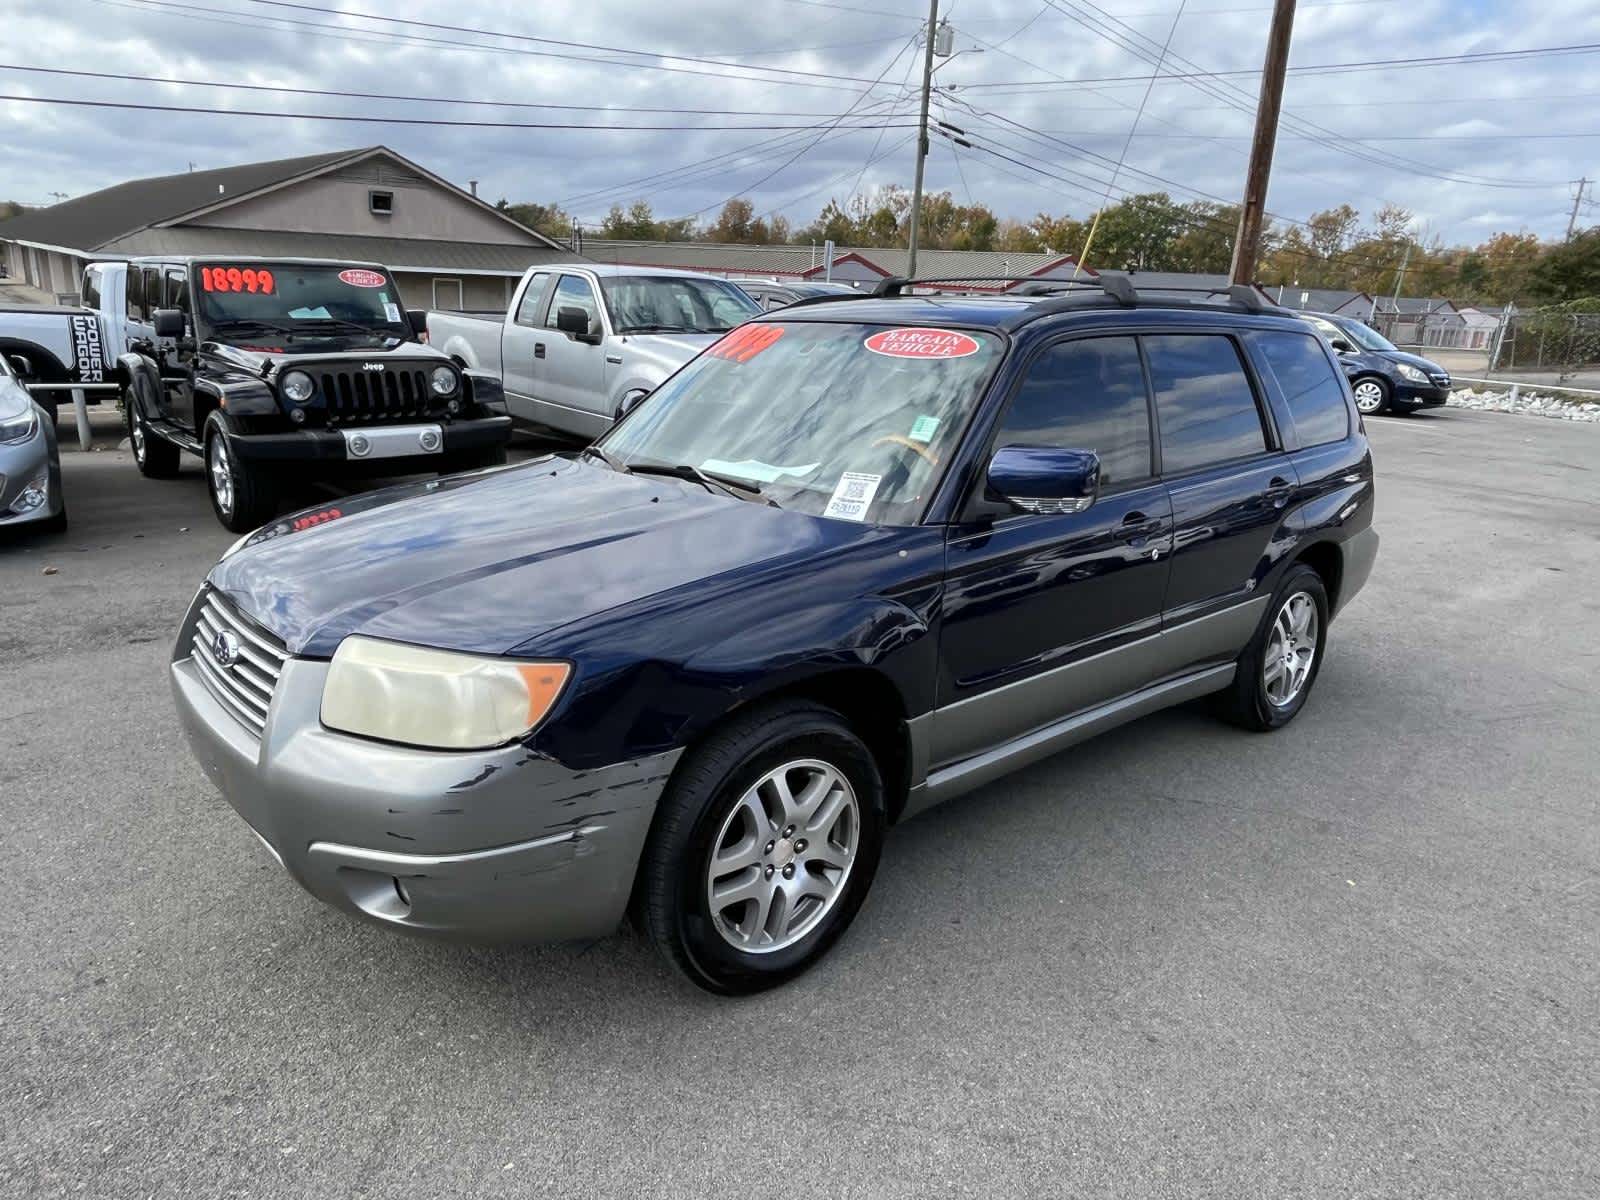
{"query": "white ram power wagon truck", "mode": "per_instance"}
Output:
(581, 342)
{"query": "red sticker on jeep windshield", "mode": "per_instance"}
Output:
(359, 278)
(922, 343)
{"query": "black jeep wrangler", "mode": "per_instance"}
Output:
(272, 368)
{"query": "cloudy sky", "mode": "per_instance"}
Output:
(1046, 90)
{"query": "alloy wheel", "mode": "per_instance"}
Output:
(1291, 650)
(783, 856)
(221, 474)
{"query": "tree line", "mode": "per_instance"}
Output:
(1335, 248)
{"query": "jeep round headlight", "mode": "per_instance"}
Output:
(436, 698)
(444, 381)
(297, 387)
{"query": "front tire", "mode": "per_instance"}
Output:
(1279, 667)
(1372, 396)
(763, 848)
(155, 457)
(242, 495)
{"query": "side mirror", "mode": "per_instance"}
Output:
(169, 322)
(21, 364)
(417, 321)
(574, 320)
(1043, 479)
(631, 399)
(1342, 346)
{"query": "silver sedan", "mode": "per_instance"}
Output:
(30, 463)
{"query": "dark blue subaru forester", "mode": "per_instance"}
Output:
(850, 562)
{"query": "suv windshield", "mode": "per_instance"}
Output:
(326, 300)
(848, 421)
(675, 304)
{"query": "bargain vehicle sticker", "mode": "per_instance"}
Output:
(852, 496)
(356, 277)
(237, 279)
(922, 343)
(745, 342)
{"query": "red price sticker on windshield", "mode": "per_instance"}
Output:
(745, 342)
(922, 343)
(359, 278)
(237, 279)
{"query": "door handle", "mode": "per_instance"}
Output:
(1278, 491)
(538, 349)
(1136, 528)
(614, 359)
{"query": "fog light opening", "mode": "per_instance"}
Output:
(400, 890)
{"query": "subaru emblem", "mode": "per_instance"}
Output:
(225, 648)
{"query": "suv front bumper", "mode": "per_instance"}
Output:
(330, 446)
(494, 845)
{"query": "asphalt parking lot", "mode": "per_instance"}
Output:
(1360, 957)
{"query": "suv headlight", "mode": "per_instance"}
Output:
(1415, 374)
(296, 386)
(436, 698)
(20, 427)
(444, 381)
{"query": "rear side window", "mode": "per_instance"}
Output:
(1310, 388)
(1086, 395)
(528, 307)
(91, 288)
(1204, 401)
(135, 293)
(152, 290)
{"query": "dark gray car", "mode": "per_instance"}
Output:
(1383, 377)
(30, 463)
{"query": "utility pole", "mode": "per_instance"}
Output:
(1248, 244)
(1400, 276)
(922, 136)
(1577, 202)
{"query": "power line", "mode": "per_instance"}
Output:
(429, 121)
(460, 100)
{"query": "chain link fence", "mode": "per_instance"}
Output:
(1563, 339)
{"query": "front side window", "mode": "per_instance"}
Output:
(573, 292)
(135, 294)
(313, 300)
(1086, 395)
(1310, 388)
(91, 288)
(152, 291)
(178, 289)
(855, 422)
(675, 304)
(1204, 401)
(1365, 336)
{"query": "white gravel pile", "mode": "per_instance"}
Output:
(1536, 404)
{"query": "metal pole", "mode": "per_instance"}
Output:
(922, 138)
(1400, 276)
(1572, 221)
(1251, 216)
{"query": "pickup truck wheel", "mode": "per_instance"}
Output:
(155, 457)
(763, 848)
(242, 495)
(1279, 667)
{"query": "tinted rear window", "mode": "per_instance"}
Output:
(1313, 392)
(1204, 401)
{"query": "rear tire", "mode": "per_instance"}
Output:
(242, 495)
(779, 816)
(155, 457)
(1280, 665)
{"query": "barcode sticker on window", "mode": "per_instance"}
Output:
(852, 496)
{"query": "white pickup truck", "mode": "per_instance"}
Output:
(582, 342)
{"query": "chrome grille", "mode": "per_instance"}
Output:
(245, 688)
(395, 393)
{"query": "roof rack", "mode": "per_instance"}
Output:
(1118, 285)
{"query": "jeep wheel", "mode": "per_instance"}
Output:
(1279, 667)
(1372, 396)
(763, 848)
(242, 495)
(155, 457)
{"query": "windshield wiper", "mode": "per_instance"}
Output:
(740, 489)
(659, 329)
(373, 330)
(615, 464)
(250, 323)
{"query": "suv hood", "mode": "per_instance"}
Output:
(264, 356)
(482, 563)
